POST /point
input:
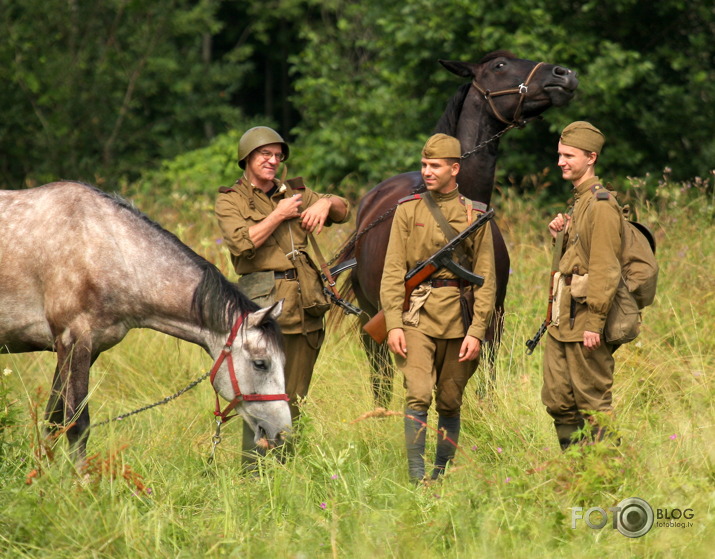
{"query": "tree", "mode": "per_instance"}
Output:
(93, 89)
(369, 88)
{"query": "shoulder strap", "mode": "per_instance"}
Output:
(409, 198)
(444, 225)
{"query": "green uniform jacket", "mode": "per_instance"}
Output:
(592, 244)
(242, 206)
(415, 236)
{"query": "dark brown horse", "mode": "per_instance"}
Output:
(80, 268)
(504, 92)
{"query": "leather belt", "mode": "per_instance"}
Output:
(287, 274)
(447, 283)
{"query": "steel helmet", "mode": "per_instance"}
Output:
(256, 137)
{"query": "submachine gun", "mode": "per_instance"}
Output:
(376, 326)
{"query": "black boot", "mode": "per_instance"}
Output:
(565, 432)
(447, 440)
(415, 434)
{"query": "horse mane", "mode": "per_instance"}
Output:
(447, 123)
(216, 302)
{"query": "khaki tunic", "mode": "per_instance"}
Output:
(592, 245)
(415, 236)
(243, 206)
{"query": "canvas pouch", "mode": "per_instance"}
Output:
(259, 287)
(313, 299)
(623, 323)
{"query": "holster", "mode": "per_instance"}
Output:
(466, 303)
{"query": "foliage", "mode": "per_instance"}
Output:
(102, 91)
(345, 493)
(91, 89)
(370, 90)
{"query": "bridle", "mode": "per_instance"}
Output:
(521, 90)
(238, 396)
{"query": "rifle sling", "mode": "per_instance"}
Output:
(444, 225)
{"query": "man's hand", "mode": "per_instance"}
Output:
(470, 349)
(396, 342)
(288, 208)
(314, 217)
(558, 223)
(591, 340)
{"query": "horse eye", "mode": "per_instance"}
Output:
(500, 65)
(260, 364)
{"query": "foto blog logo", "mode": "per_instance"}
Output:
(633, 517)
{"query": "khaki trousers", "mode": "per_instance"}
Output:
(432, 365)
(576, 379)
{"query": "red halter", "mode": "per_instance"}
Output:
(238, 396)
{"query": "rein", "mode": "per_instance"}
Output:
(238, 396)
(221, 415)
(521, 90)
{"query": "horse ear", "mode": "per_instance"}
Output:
(261, 315)
(463, 69)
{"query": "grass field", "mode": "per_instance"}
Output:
(149, 491)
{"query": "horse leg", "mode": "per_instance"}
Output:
(382, 372)
(67, 405)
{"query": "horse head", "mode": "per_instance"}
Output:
(505, 92)
(251, 376)
(515, 89)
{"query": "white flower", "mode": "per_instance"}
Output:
(6, 372)
(282, 189)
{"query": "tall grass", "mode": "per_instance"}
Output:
(151, 493)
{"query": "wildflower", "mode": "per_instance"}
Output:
(499, 450)
(334, 476)
(6, 372)
(323, 505)
(673, 437)
(474, 447)
(219, 241)
(507, 480)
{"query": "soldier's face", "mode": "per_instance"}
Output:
(439, 175)
(263, 163)
(575, 162)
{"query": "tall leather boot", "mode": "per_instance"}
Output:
(415, 435)
(447, 440)
(565, 432)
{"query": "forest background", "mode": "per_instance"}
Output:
(109, 92)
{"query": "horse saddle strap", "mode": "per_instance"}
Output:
(444, 225)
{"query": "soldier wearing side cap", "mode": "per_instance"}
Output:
(265, 223)
(578, 362)
(434, 348)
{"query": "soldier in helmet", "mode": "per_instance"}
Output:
(435, 346)
(265, 223)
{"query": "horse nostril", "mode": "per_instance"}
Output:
(560, 71)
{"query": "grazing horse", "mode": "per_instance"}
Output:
(504, 92)
(79, 268)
